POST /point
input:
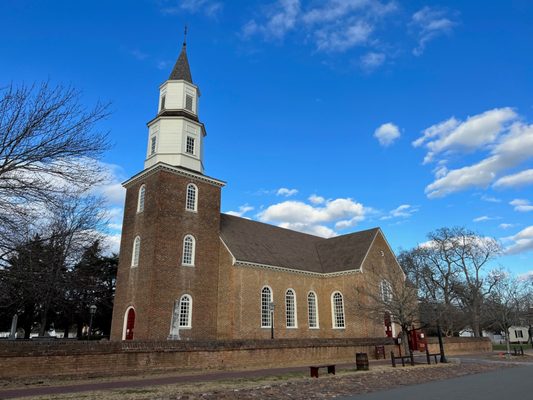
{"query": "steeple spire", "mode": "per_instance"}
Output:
(181, 70)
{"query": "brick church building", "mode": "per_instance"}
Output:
(187, 271)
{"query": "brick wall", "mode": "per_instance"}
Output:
(161, 279)
(36, 359)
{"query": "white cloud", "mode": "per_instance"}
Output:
(372, 60)
(508, 141)
(402, 211)
(521, 242)
(315, 199)
(210, 8)
(521, 205)
(387, 133)
(242, 210)
(482, 219)
(286, 192)
(469, 135)
(522, 178)
(505, 226)
(342, 212)
(430, 23)
(329, 39)
(111, 243)
(333, 25)
(280, 19)
(490, 199)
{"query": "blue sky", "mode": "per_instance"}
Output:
(326, 116)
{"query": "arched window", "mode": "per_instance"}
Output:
(266, 299)
(290, 309)
(136, 251)
(312, 310)
(191, 202)
(337, 307)
(188, 250)
(185, 311)
(386, 291)
(140, 202)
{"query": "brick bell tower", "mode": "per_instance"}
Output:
(168, 271)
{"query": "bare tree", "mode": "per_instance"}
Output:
(49, 145)
(473, 253)
(503, 308)
(450, 273)
(389, 295)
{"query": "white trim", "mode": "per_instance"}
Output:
(295, 309)
(390, 249)
(143, 189)
(193, 251)
(233, 259)
(316, 311)
(136, 252)
(261, 307)
(125, 324)
(333, 313)
(195, 209)
(175, 170)
(189, 315)
(239, 263)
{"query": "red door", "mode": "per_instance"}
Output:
(388, 325)
(130, 323)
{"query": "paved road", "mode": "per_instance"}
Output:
(504, 384)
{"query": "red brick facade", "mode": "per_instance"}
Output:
(226, 297)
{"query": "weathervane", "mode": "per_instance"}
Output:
(185, 36)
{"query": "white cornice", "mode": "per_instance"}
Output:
(160, 166)
(239, 263)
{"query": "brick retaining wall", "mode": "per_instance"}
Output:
(73, 358)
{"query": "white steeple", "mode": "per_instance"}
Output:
(175, 135)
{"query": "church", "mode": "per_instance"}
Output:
(189, 272)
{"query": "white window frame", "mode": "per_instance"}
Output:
(315, 305)
(193, 140)
(334, 319)
(195, 205)
(193, 251)
(262, 307)
(141, 198)
(291, 292)
(136, 252)
(189, 312)
(386, 291)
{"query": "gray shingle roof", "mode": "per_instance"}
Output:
(255, 242)
(181, 69)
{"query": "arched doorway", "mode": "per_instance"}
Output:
(129, 324)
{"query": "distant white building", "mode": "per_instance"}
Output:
(517, 334)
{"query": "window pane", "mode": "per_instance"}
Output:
(191, 198)
(338, 310)
(190, 145)
(188, 250)
(185, 310)
(142, 191)
(290, 311)
(266, 298)
(311, 305)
